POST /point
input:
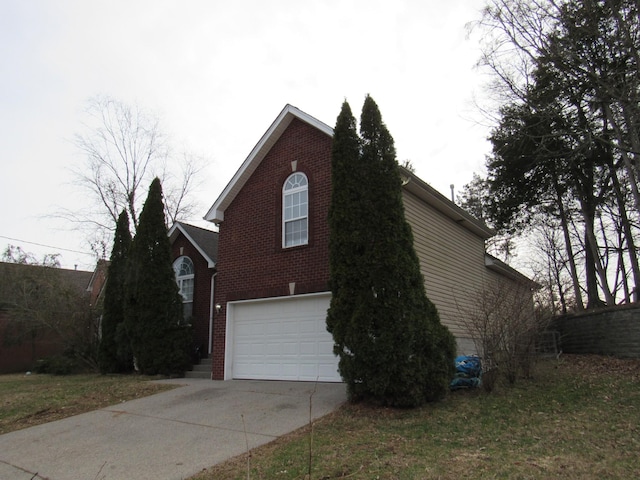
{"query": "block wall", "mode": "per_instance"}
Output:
(613, 331)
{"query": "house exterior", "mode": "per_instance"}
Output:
(22, 343)
(272, 290)
(450, 244)
(194, 253)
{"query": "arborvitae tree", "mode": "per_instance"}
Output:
(154, 321)
(114, 353)
(346, 245)
(393, 349)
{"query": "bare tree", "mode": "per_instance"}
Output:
(15, 254)
(45, 302)
(504, 326)
(124, 148)
(180, 184)
(514, 34)
(553, 268)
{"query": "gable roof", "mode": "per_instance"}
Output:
(412, 183)
(77, 279)
(98, 279)
(205, 241)
(271, 136)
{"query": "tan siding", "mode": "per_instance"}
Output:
(451, 261)
(495, 280)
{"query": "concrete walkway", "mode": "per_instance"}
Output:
(170, 435)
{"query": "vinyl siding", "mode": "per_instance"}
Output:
(451, 261)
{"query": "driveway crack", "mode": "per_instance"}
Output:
(35, 474)
(184, 422)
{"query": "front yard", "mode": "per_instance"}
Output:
(578, 418)
(28, 400)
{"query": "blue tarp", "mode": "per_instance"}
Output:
(468, 372)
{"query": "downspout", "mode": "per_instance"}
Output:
(209, 350)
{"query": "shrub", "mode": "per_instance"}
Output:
(57, 365)
(504, 326)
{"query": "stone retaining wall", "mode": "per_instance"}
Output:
(611, 331)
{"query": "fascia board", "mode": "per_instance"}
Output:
(441, 203)
(492, 263)
(271, 136)
(173, 233)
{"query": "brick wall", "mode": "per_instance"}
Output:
(202, 289)
(252, 262)
(613, 331)
(19, 354)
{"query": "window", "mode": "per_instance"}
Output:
(183, 268)
(295, 211)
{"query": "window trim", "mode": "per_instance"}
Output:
(292, 191)
(180, 278)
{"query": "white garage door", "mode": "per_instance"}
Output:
(283, 339)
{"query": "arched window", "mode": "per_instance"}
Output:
(183, 268)
(295, 210)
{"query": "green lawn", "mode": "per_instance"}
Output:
(578, 418)
(28, 400)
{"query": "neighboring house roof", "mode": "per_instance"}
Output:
(271, 136)
(412, 183)
(205, 241)
(79, 279)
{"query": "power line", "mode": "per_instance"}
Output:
(47, 246)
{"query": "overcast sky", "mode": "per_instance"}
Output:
(218, 73)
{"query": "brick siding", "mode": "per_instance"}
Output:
(252, 263)
(202, 290)
(20, 354)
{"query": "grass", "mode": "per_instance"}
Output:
(28, 400)
(578, 418)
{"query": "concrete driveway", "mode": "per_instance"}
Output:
(170, 435)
